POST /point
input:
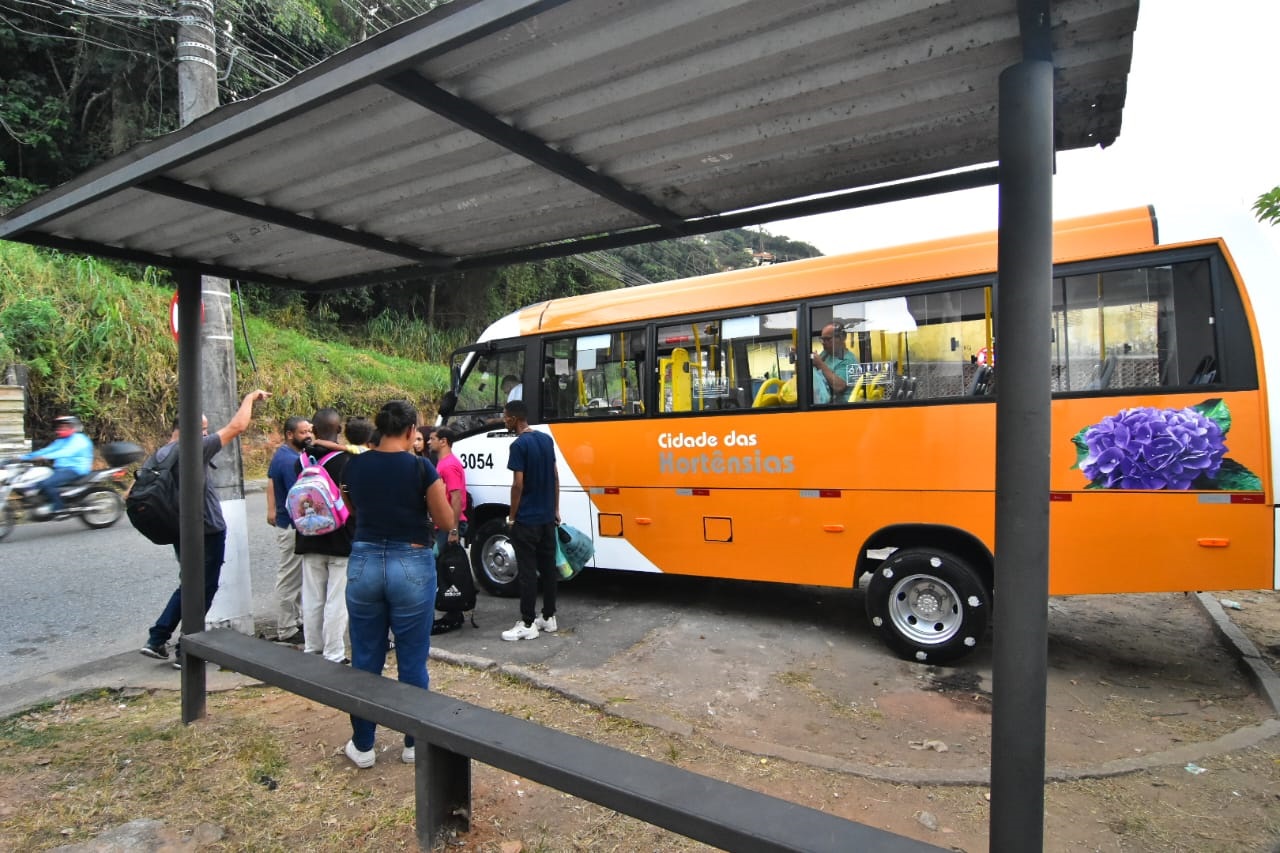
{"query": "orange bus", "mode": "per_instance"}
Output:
(829, 420)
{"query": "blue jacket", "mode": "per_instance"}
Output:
(75, 453)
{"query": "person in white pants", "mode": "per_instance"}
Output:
(282, 472)
(324, 562)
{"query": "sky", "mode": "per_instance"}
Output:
(1201, 126)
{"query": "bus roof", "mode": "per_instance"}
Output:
(1100, 235)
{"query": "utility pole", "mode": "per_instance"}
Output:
(197, 95)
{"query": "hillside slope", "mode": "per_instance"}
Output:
(97, 343)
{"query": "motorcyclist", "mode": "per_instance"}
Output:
(72, 457)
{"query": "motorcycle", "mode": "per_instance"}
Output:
(95, 499)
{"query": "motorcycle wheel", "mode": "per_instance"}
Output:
(102, 508)
(8, 518)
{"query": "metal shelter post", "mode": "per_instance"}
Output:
(191, 486)
(1023, 315)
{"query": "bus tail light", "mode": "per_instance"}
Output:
(1212, 542)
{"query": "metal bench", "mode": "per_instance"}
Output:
(450, 732)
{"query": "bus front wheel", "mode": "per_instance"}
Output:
(494, 560)
(928, 605)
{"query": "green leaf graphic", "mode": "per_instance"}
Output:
(1082, 449)
(1234, 477)
(1216, 410)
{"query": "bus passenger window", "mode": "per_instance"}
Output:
(595, 375)
(1142, 327)
(722, 364)
(897, 348)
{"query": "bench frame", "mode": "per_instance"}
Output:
(450, 732)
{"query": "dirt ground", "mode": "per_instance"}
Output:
(266, 768)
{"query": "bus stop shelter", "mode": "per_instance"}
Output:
(490, 132)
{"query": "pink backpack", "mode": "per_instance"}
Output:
(314, 501)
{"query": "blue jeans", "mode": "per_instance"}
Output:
(389, 585)
(215, 546)
(51, 485)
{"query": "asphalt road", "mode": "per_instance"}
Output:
(70, 595)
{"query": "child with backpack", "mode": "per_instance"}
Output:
(321, 519)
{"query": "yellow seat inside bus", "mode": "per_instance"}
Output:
(770, 394)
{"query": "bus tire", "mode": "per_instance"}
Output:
(928, 605)
(493, 560)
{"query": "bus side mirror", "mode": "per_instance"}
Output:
(447, 404)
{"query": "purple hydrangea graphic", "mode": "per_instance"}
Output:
(1149, 448)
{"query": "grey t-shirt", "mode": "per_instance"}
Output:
(213, 520)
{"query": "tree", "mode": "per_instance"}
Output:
(1267, 207)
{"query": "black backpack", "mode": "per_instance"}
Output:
(152, 503)
(455, 589)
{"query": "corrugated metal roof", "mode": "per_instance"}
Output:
(487, 129)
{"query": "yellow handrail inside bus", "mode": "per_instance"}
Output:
(674, 376)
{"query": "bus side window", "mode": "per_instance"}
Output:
(594, 375)
(1141, 327)
(722, 364)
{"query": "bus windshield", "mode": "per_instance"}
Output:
(487, 380)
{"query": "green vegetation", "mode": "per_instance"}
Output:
(1267, 206)
(97, 342)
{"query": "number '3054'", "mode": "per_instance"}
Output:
(476, 460)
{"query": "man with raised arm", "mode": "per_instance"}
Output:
(215, 528)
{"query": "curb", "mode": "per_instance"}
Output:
(1251, 660)
(125, 671)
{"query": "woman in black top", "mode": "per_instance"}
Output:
(391, 576)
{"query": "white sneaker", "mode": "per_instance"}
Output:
(408, 754)
(363, 760)
(548, 625)
(521, 631)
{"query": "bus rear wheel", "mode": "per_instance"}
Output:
(493, 559)
(928, 605)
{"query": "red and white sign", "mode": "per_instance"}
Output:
(173, 315)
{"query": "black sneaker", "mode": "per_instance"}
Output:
(157, 652)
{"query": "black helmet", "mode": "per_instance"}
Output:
(68, 420)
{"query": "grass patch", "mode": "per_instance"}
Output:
(795, 679)
(103, 760)
(97, 343)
